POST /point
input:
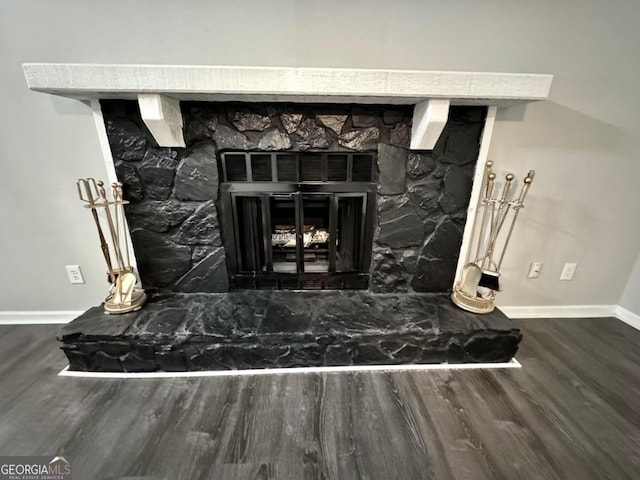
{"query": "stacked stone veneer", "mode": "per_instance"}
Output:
(422, 196)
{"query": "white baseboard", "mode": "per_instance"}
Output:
(560, 311)
(628, 317)
(574, 311)
(37, 317)
(513, 363)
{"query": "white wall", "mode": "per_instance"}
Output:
(582, 206)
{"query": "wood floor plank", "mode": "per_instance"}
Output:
(570, 412)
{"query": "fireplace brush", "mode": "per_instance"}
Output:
(123, 296)
(484, 270)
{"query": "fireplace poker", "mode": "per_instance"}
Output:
(88, 193)
(114, 237)
(489, 275)
(489, 179)
(120, 221)
(120, 194)
(519, 205)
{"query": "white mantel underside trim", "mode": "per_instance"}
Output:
(191, 82)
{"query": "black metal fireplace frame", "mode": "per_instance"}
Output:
(242, 278)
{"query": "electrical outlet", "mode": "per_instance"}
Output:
(75, 274)
(568, 271)
(534, 270)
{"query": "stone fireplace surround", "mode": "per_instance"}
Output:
(422, 202)
(173, 218)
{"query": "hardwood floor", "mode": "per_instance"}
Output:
(571, 412)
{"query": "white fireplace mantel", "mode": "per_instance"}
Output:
(159, 88)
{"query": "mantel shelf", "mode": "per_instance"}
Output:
(274, 84)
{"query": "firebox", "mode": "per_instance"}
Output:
(298, 221)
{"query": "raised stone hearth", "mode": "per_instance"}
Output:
(265, 329)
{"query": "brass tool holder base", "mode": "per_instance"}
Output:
(472, 304)
(138, 299)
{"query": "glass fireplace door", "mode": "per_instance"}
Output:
(349, 232)
(317, 241)
(284, 210)
(299, 239)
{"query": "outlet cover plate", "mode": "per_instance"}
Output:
(75, 274)
(568, 271)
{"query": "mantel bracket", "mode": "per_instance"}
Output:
(161, 114)
(429, 119)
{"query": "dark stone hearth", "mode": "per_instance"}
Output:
(208, 275)
(391, 117)
(285, 329)
(132, 363)
(157, 171)
(128, 142)
(160, 261)
(201, 228)
(197, 175)
(391, 160)
(436, 266)
(158, 216)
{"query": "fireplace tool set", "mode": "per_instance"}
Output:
(480, 278)
(123, 296)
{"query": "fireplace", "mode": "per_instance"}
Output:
(290, 217)
(287, 235)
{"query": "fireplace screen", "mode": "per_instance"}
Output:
(298, 221)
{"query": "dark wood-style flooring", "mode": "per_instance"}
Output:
(572, 412)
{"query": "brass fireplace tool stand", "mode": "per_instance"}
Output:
(480, 278)
(123, 296)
